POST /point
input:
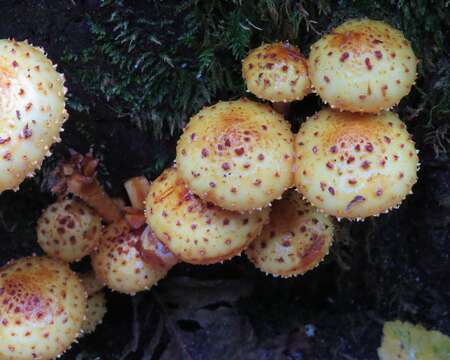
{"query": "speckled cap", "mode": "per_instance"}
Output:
(237, 155)
(69, 230)
(362, 66)
(195, 231)
(32, 110)
(276, 72)
(118, 263)
(295, 240)
(42, 306)
(355, 165)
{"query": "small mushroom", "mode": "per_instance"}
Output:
(95, 312)
(32, 110)
(42, 306)
(118, 263)
(277, 72)
(237, 155)
(295, 240)
(362, 66)
(195, 231)
(69, 230)
(355, 165)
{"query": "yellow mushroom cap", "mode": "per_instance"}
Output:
(355, 165)
(362, 66)
(95, 312)
(195, 231)
(42, 306)
(32, 110)
(69, 230)
(276, 72)
(91, 283)
(237, 155)
(295, 240)
(118, 263)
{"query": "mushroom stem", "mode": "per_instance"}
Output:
(282, 108)
(90, 191)
(77, 176)
(137, 189)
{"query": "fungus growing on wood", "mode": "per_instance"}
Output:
(362, 66)
(42, 306)
(237, 155)
(277, 72)
(32, 110)
(69, 230)
(294, 241)
(77, 176)
(354, 165)
(198, 232)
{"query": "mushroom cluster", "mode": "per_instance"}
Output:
(229, 191)
(237, 158)
(126, 255)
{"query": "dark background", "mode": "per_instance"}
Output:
(129, 108)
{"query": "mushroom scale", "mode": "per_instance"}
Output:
(237, 155)
(117, 261)
(95, 312)
(42, 306)
(32, 108)
(69, 230)
(295, 240)
(276, 72)
(362, 66)
(195, 231)
(355, 165)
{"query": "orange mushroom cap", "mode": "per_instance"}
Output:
(32, 110)
(362, 66)
(195, 231)
(355, 165)
(118, 263)
(42, 306)
(69, 230)
(295, 240)
(276, 72)
(237, 155)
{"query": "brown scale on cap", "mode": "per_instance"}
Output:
(362, 66)
(295, 240)
(276, 72)
(247, 144)
(32, 110)
(68, 230)
(354, 170)
(42, 306)
(195, 231)
(118, 262)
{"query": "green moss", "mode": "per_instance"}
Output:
(161, 61)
